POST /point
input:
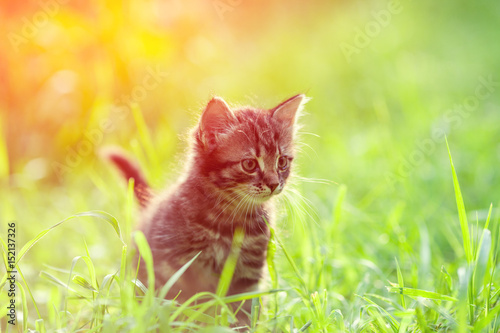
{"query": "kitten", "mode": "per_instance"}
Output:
(240, 158)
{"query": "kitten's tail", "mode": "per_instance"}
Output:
(129, 169)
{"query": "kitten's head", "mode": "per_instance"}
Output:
(247, 151)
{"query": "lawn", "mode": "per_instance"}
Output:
(391, 222)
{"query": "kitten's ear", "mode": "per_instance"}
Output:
(216, 117)
(215, 120)
(287, 111)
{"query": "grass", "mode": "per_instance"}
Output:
(377, 233)
(464, 301)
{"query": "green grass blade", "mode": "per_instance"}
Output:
(420, 293)
(270, 257)
(140, 285)
(230, 265)
(82, 282)
(254, 315)
(214, 300)
(306, 326)
(98, 214)
(243, 296)
(481, 266)
(107, 282)
(123, 266)
(337, 318)
(304, 292)
(392, 322)
(24, 304)
(271, 254)
(467, 241)
(443, 311)
(480, 325)
(462, 214)
(400, 283)
(422, 323)
(484, 263)
(405, 322)
(29, 291)
(447, 278)
(129, 206)
(492, 264)
(91, 270)
(250, 295)
(32, 242)
(464, 306)
(175, 277)
(106, 217)
(40, 326)
(146, 255)
(54, 280)
(387, 300)
(198, 316)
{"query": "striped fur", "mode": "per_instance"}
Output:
(219, 193)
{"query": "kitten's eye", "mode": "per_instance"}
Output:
(249, 165)
(283, 163)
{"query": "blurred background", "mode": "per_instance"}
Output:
(387, 80)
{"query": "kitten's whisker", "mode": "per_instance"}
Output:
(300, 207)
(290, 209)
(245, 202)
(302, 151)
(219, 199)
(236, 209)
(307, 202)
(298, 211)
(304, 199)
(260, 225)
(313, 180)
(308, 146)
(248, 207)
(308, 133)
(232, 199)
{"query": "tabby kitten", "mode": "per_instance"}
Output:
(240, 158)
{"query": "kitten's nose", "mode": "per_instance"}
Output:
(272, 186)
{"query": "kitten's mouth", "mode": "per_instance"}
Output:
(277, 191)
(258, 197)
(267, 196)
